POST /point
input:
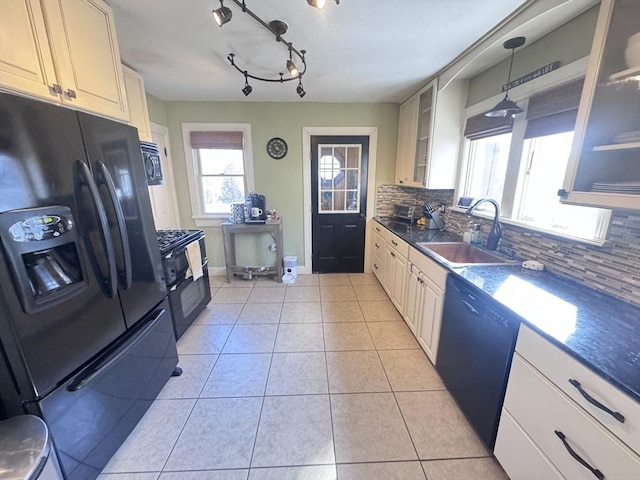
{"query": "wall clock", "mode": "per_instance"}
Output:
(277, 148)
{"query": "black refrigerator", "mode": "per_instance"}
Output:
(86, 336)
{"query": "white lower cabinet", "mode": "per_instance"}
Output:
(426, 282)
(412, 303)
(542, 426)
(432, 299)
(519, 456)
(395, 278)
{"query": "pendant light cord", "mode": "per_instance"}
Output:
(506, 93)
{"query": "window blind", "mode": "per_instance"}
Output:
(216, 140)
(480, 126)
(554, 110)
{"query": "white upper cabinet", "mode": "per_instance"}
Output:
(429, 132)
(604, 166)
(137, 101)
(63, 51)
(26, 64)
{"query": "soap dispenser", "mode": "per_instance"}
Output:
(475, 235)
(466, 236)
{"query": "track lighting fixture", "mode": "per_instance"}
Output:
(507, 107)
(247, 88)
(222, 15)
(278, 28)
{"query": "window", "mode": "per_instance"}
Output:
(523, 169)
(339, 178)
(545, 161)
(219, 168)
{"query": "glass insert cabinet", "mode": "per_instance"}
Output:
(604, 167)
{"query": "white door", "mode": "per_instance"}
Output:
(164, 201)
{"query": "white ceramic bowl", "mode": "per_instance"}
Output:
(632, 55)
(633, 39)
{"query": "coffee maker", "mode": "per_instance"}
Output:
(256, 208)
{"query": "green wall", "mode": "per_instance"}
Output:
(567, 43)
(279, 180)
(157, 110)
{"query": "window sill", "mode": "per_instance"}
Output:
(210, 220)
(528, 226)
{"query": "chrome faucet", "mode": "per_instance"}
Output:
(496, 229)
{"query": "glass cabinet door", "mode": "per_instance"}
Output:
(609, 159)
(423, 141)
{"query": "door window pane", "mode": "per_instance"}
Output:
(339, 178)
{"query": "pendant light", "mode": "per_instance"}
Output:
(507, 107)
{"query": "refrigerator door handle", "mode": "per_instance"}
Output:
(85, 178)
(105, 178)
(103, 363)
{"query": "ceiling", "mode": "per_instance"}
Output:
(357, 51)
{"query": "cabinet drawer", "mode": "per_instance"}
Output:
(396, 243)
(429, 268)
(542, 410)
(559, 367)
(377, 246)
(377, 266)
(519, 456)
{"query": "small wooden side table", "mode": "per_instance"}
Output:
(229, 231)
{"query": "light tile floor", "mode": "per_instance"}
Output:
(317, 380)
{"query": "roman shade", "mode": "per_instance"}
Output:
(480, 126)
(216, 140)
(554, 110)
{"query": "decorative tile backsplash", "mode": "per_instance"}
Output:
(614, 269)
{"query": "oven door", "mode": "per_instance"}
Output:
(187, 299)
(176, 263)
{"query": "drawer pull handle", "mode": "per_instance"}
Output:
(375, 266)
(377, 246)
(599, 475)
(617, 415)
(392, 254)
(394, 243)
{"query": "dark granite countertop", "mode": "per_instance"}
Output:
(598, 330)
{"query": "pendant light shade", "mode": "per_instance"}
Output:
(504, 108)
(507, 107)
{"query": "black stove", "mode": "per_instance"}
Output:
(187, 297)
(171, 239)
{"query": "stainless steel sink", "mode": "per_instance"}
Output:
(462, 254)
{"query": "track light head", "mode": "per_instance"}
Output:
(247, 88)
(222, 15)
(319, 4)
(291, 67)
(300, 90)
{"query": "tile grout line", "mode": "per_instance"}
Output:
(326, 367)
(404, 421)
(264, 396)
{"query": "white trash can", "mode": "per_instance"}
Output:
(291, 265)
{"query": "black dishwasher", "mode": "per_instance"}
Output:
(477, 340)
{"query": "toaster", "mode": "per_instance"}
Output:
(406, 213)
